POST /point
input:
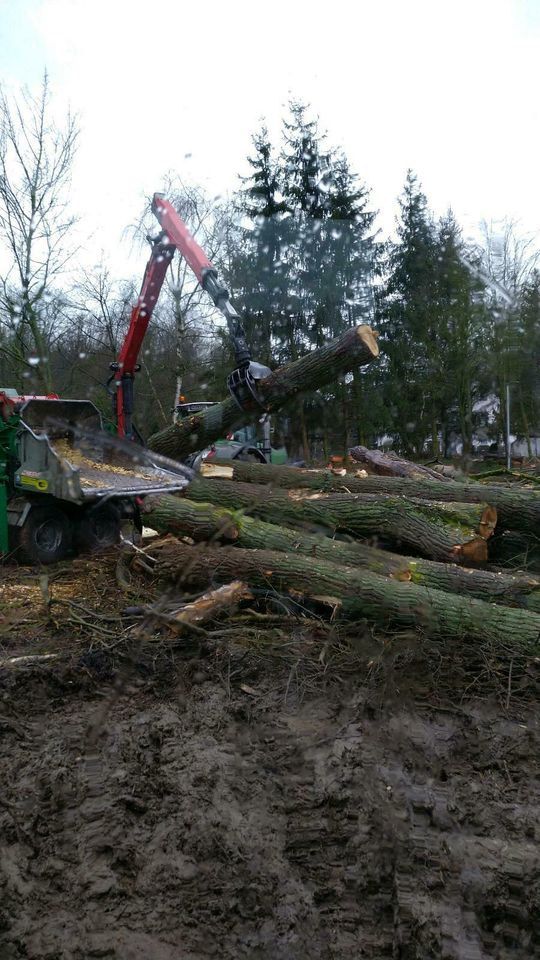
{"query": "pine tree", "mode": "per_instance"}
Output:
(256, 269)
(461, 319)
(527, 374)
(408, 317)
(304, 268)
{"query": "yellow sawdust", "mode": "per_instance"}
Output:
(77, 459)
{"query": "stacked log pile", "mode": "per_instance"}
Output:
(388, 541)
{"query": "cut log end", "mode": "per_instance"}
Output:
(369, 339)
(488, 522)
(216, 470)
(474, 551)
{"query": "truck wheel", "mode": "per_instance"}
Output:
(98, 529)
(45, 536)
(250, 455)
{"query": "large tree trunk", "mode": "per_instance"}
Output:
(354, 348)
(355, 593)
(440, 531)
(517, 508)
(201, 521)
(390, 465)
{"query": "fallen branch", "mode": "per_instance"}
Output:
(356, 347)
(390, 465)
(211, 605)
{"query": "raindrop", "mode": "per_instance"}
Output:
(82, 355)
(33, 361)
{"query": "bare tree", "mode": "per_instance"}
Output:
(507, 256)
(508, 261)
(104, 305)
(36, 157)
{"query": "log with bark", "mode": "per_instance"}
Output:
(439, 531)
(354, 593)
(204, 522)
(517, 508)
(390, 465)
(355, 348)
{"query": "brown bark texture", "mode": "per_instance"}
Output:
(390, 465)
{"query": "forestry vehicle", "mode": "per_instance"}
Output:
(65, 481)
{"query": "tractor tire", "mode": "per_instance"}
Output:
(250, 455)
(98, 529)
(45, 536)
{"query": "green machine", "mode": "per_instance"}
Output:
(65, 483)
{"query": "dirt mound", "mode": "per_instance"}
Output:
(201, 819)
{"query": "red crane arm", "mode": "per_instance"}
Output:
(126, 366)
(141, 313)
(177, 233)
(176, 236)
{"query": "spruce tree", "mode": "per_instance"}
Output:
(256, 268)
(461, 376)
(303, 270)
(527, 374)
(412, 337)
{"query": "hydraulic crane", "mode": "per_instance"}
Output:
(174, 235)
(64, 482)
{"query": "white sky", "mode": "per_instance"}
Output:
(448, 88)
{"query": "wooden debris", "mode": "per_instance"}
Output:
(390, 465)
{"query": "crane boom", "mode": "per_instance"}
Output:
(242, 382)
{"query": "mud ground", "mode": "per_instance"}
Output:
(230, 805)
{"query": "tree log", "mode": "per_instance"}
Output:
(355, 593)
(201, 521)
(390, 465)
(440, 531)
(354, 348)
(517, 509)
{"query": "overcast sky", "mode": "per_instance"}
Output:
(448, 88)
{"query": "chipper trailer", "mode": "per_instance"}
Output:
(65, 482)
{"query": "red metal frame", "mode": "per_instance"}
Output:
(175, 236)
(8, 404)
(178, 234)
(126, 365)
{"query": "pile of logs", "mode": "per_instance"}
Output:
(387, 541)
